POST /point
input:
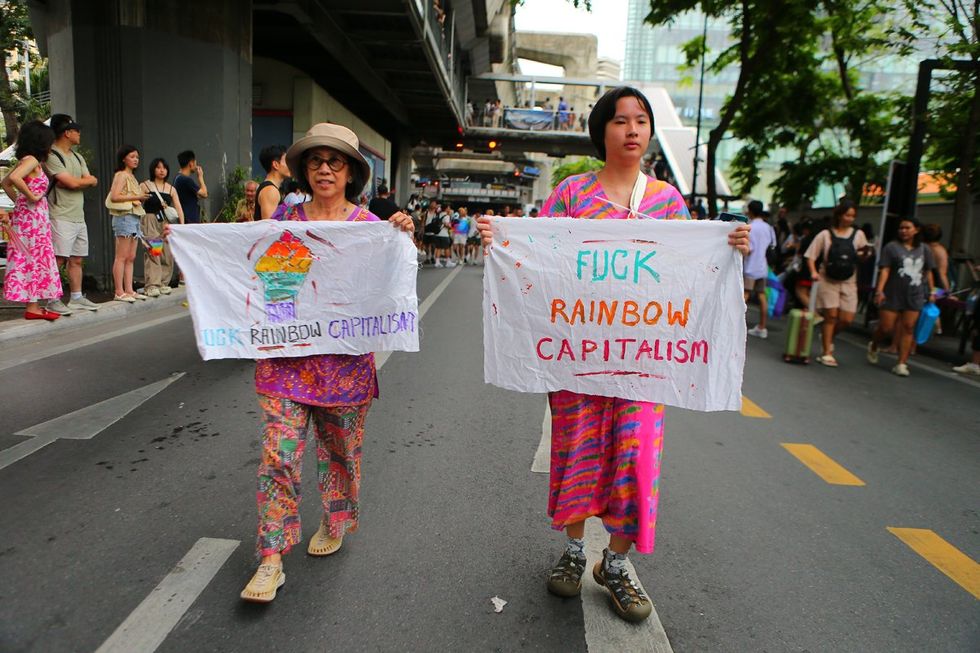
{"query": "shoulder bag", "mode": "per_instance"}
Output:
(168, 212)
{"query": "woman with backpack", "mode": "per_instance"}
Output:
(839, 249)
(904, 270)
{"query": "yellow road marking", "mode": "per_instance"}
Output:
(752, 409)
(822, 465)
(943, 556)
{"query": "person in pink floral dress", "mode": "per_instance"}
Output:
(32, 270)
(331, 392)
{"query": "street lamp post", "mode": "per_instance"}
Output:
(697, 131)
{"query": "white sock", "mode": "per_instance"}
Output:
(76, 295)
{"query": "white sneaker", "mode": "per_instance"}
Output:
(165, 290)
(759, 333)
(57, 306)
(901, 370)
(152, 291)
(83, 303)
(968, 368)
(438, 264)
(450, 264)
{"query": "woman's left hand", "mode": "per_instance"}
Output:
(739, 238)
(403, 221)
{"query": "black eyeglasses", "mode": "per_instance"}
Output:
(335, 163)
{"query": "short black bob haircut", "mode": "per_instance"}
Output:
(184, 158)
(34, 139)
(269, 155)
(605, 110)
(352, 191)
(121, 155)
(153, 168)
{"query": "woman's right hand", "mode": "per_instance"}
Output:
(879, 297)
(166, 230)
(815, 277)
(486, 233)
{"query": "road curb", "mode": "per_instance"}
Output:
(24, 331)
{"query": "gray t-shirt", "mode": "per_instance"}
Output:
(65, 204)
(908, 286)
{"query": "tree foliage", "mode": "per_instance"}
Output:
(799, 92)
(768, 35)
(574, 167)
(15, 26)
(952, 147)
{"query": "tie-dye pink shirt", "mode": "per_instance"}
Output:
(582, 196)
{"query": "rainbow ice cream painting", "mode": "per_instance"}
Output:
(283, 269)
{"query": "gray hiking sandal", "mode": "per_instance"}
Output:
(628, 599)
(566, 576)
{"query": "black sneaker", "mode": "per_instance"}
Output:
(566, 576)
(628, 599)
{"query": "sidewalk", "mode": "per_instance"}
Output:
(21, 331)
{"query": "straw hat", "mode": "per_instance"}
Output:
(326, 134)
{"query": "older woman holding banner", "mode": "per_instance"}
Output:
(605, 451)
(333, 392)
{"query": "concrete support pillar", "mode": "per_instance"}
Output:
(163, 76)
(401, 170)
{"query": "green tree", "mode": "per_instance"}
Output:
(15, 26)
(766, 33)
(953, 127)
(574, 167)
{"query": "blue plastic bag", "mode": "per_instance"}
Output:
(776, 295)
(926, 323)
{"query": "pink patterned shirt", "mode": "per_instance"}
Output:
(582, 196)
(327, 379)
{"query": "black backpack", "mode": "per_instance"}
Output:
(842, 257)
(434, 225)
(52, 183)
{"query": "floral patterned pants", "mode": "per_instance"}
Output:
(338, 432)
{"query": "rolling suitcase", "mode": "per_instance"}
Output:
(799, 334)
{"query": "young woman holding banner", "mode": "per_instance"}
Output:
(605, 451)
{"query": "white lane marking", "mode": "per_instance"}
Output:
(605, 632)
(542, 457)
(382, 357)
(434, 295)
(84, 423)
(149, 624)
(863, 344)
(37, 353)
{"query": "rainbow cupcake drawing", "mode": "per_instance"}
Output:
(283, 269)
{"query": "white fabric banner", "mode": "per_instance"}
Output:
(275, 289)
(648, 310)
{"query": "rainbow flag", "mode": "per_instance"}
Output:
(155, 246)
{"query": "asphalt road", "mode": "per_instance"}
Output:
(755, 551)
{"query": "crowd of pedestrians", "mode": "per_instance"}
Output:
(834, 261)
(47, 232)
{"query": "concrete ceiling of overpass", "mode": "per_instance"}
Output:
(367, 55)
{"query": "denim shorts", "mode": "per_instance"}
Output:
(126, 226)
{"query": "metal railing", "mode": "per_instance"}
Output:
(528, 119)
(439, 31)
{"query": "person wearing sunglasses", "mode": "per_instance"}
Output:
(332, 391)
